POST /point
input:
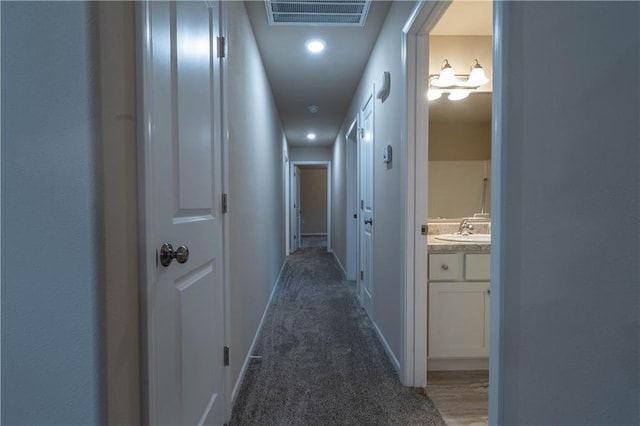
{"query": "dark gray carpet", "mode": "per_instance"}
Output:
(321, 362)
(308, 241)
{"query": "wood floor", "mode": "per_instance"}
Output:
(462, 397)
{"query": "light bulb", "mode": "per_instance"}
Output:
(315, 46)
(311, 136)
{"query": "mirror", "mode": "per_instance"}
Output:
(460, 157)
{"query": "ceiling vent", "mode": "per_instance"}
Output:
(318, 12)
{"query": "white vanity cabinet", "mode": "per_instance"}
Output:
(459, 306)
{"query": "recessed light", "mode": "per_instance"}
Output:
(315, 46)
(311, 136)
(313, 108)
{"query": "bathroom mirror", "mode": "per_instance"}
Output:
(460, 157)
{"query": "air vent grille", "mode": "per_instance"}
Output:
(318, 12)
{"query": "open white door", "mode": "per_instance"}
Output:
(365, 157)
(180, 79)
(295, 209)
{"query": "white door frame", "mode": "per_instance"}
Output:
(295, 164)
(226, 230)
(415, 46)
(287, 202)
(351, 140)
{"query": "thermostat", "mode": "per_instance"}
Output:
(386, 154)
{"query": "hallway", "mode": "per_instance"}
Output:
(318, 360)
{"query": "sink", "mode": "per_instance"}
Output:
(471, 238)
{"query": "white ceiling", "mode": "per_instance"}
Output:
(329, 80)
(466, 17)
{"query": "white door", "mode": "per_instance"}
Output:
(182, 185)
(352, 201)
(365, 147)
(296, 223)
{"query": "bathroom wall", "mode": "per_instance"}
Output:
(456, 188)
(459, 141)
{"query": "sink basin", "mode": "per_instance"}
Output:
(471, 238)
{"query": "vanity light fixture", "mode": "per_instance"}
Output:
(457, 85)
(315, 46)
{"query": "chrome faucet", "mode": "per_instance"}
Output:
(465, 227)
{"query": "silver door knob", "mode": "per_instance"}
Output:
(167, 254)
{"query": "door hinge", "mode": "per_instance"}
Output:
(226, 356)
(424, 229)
(221, 48)
(361, 132)
(225, 205)
(361, 204)
(361, 275)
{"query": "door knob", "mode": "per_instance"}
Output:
(167, 254)
(368, 221)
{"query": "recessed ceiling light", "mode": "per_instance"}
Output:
(313, 108)
(311, 136)
(315, 46)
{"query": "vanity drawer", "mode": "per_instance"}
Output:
(477, 267)
(444, 267)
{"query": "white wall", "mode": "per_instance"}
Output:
(256, 185)
(456, 188)
(388, 219)
(311, 153)
(51, 285)
(568, 209)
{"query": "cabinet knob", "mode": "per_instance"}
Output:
(444, 267)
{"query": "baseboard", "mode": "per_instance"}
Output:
(387, 348)
(335, 256)
(448, 364)
(245, 365)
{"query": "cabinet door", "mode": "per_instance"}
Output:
(459, 320)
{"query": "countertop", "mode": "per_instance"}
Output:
(436, 245)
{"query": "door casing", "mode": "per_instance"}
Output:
(293, 166)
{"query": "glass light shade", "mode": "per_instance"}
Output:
(432, 94)
(457, 95)
(447, 76)
(477, 78)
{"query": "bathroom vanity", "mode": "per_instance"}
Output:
(459, 304)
